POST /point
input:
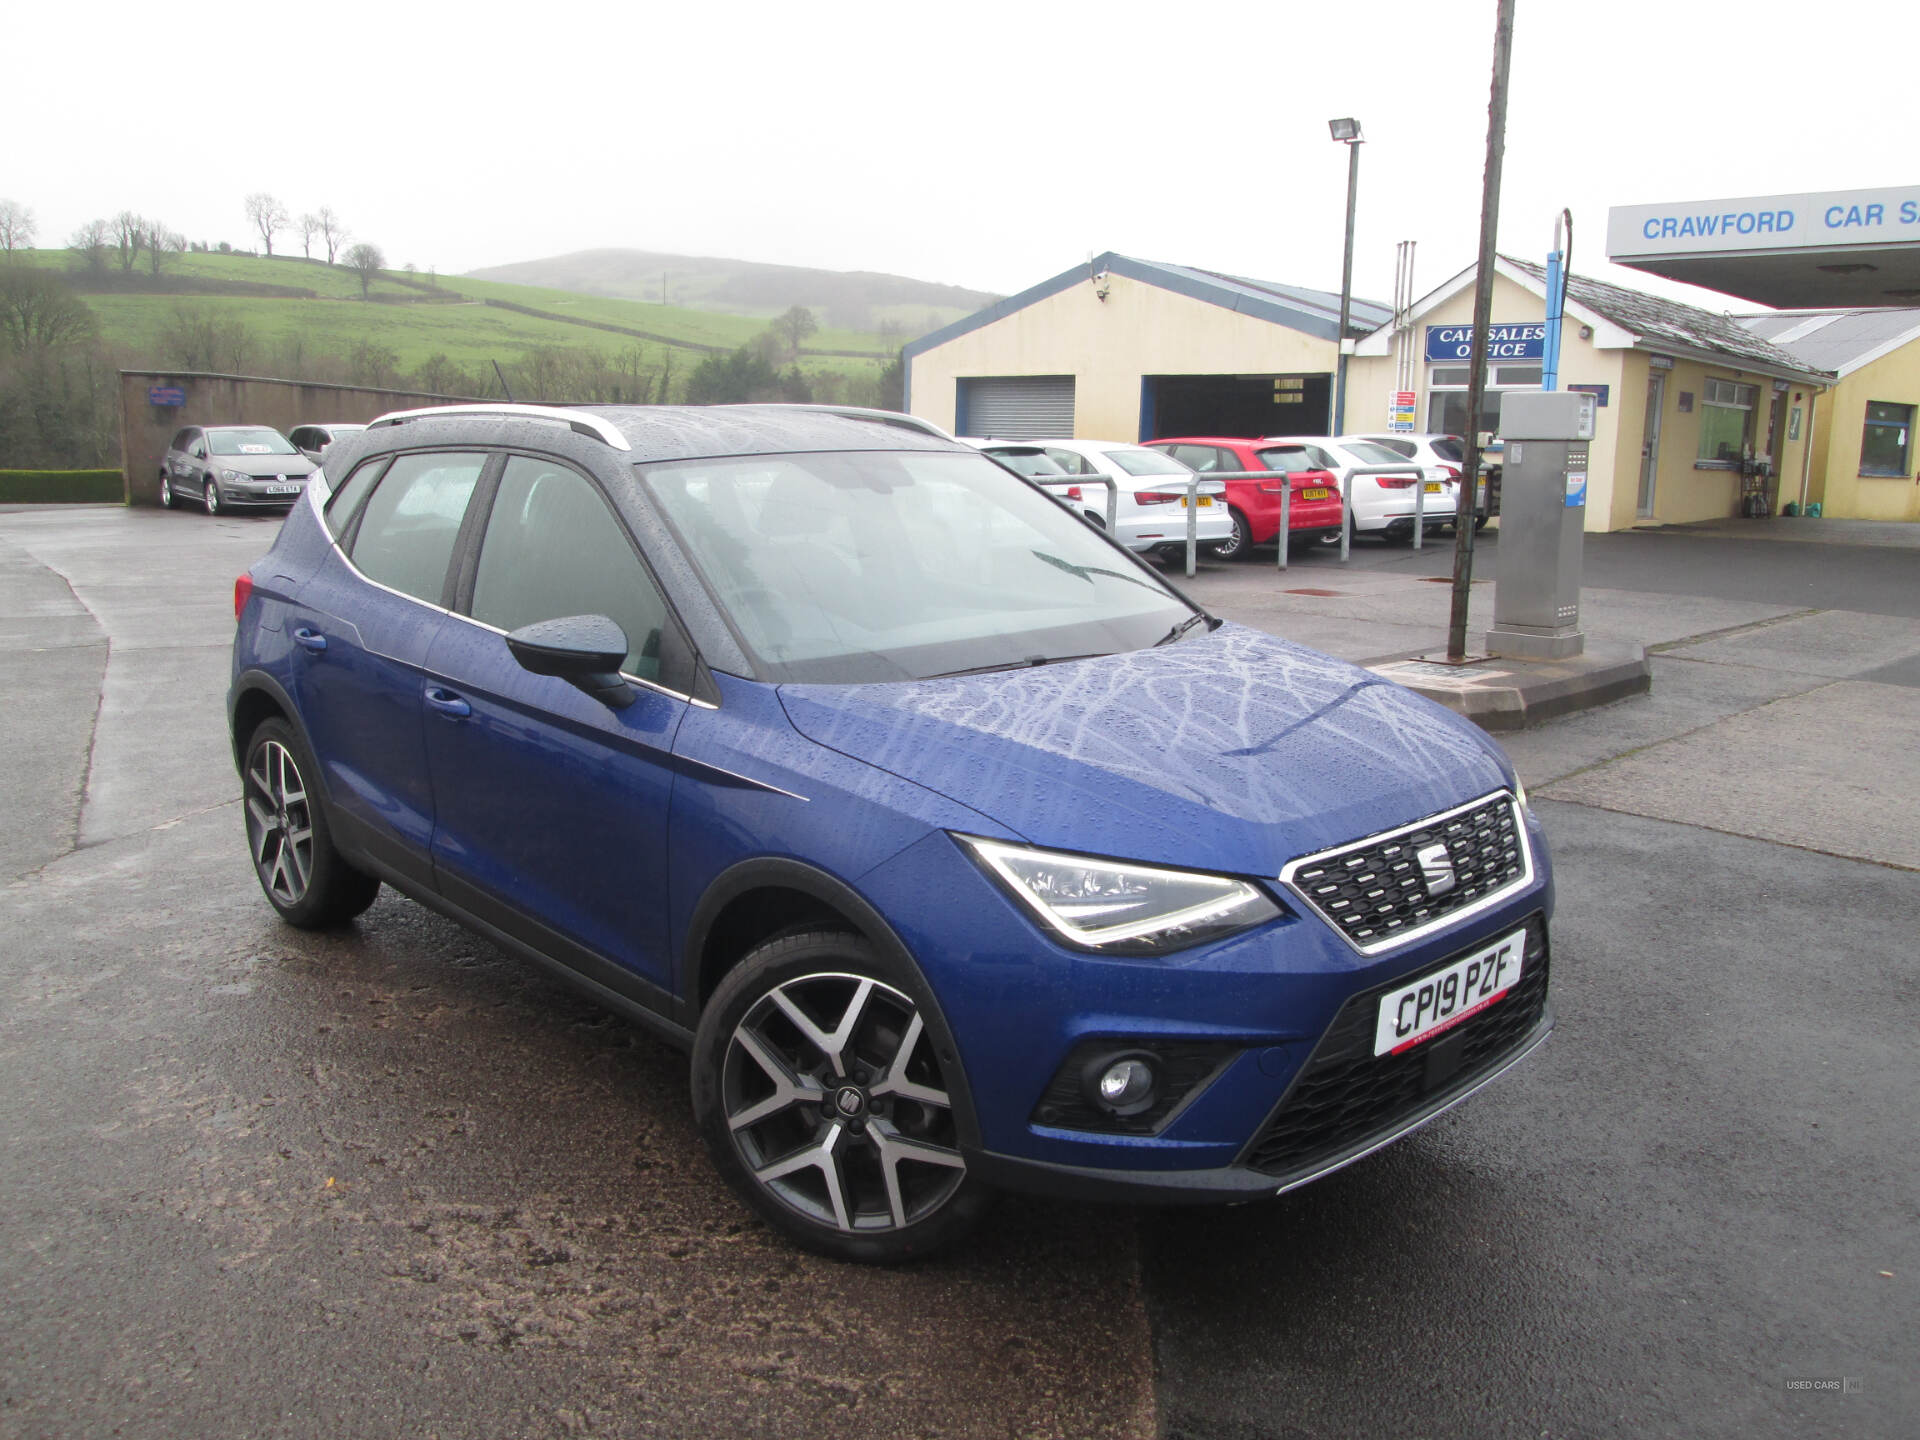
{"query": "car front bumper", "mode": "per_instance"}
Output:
(1287, 1010)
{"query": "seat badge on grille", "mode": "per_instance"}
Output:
(1437, 866)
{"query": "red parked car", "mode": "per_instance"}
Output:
(1314, 512)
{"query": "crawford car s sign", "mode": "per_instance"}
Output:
(1773, 222)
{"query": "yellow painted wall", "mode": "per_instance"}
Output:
(1687, 489)
(1614, 467)
(1840, 419)
(1101, 342)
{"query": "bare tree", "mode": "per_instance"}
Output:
(17, 226)
(795, 326)
(268, 216)
(366, 261)
(129, 234)
(331, 231)
(162, 245)
(38, 312)
(309, 226)
(90, 243)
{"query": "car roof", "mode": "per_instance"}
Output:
(1208, 440)
(657, 433)
(1093, 447)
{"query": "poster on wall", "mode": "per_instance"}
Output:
(1401, 406)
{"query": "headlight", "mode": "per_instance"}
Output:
(1117, 908)
(1520, 794)
(236, 476)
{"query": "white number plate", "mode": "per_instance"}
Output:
(1443, 999)
(283, 489)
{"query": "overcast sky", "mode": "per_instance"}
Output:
(990, 144)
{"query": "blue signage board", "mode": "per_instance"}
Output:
(170, 397)
(1504, 342)
(1599, 393)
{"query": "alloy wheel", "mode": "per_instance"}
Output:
(279, 823)
(166, 491)
(837, 1107)
(213, 498)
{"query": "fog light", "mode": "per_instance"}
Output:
(1121, 1084)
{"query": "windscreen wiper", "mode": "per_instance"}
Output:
(1030, 663)
(1185, 625)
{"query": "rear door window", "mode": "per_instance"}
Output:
(406, 536)
(554, 547)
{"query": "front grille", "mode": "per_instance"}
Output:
(1376, 892)
(1345, 1094)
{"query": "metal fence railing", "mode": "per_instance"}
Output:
(1213, 481)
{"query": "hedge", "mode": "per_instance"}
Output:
(55, 487)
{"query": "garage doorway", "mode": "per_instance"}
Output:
(1014, 407)
(1234, 405)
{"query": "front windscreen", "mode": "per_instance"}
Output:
(261, 441)
(901, 565)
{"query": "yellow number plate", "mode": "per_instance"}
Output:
(1433, 487)
(1315, 492)
(1203, 502)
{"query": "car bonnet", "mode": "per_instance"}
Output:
(1233, 751)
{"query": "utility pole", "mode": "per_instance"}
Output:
(1482, 322)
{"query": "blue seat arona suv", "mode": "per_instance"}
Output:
(960, 850)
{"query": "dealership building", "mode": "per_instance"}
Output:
(1702, 413)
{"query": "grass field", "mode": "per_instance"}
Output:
(415, 325)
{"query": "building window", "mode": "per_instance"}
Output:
(1447, 395)
(1726, 421)
(1886, 448)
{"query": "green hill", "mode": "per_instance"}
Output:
(291, 312)
(857, 298)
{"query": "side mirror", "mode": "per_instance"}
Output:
(586, 651)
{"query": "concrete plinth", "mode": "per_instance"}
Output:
(1502, 693)
(1525, 642)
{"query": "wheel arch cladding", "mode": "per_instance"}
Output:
(799, 893)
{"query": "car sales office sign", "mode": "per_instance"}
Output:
(1504, 342)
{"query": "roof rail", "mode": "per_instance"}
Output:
(578, 421)
(861, 412)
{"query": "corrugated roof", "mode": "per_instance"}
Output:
(1837, 340)
(1312, 312)
(1668, 322)
(1364, 315)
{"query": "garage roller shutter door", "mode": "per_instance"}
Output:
(1017, 407)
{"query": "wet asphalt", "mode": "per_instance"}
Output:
(389, 1182)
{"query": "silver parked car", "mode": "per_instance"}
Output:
(233, 467)
(312, 440)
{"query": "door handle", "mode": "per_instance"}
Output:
(309, 640)
(447, 703)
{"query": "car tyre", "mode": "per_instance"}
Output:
(166, 491)
(1479, 523)
(824, 1105)
(211, 498)
(288, 838)
(1238, 545)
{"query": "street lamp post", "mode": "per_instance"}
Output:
(1347, 131)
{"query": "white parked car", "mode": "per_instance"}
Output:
(312, 440)
(1443, 457)
(1383, 504)
(1150, 511)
